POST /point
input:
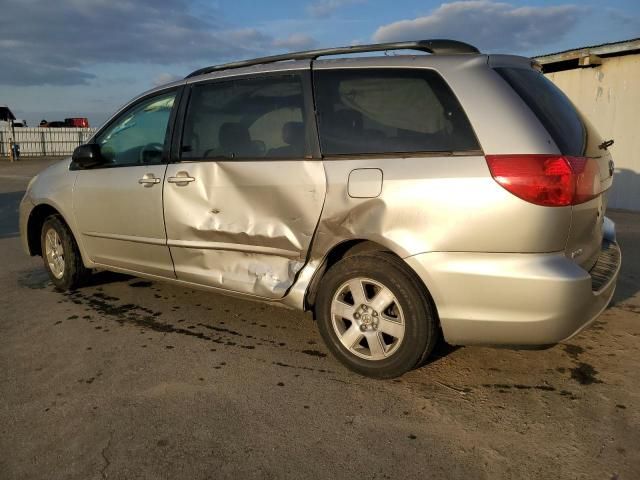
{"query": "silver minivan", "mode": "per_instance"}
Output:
(400, 198)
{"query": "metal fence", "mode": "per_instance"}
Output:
(37, 142)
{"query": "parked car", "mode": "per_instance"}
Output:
(7, 118)
(79, 122)
(56, 124)
(399, 198)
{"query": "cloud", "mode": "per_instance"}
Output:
(54, 43)
(165, 77)
(295, 41)
(487, 24)
(326, 8)
(17, 71)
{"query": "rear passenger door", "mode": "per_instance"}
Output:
(244, 197)
(399, 152)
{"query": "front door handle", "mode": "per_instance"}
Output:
(148, 180)
(181, 179)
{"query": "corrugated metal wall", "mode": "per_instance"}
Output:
(37, 142)
(609, 96)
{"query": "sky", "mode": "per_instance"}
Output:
(85, 58)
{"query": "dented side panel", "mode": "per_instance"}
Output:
(429, 204)
(244, 226)
(435, 204)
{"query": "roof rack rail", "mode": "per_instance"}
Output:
(435, 47)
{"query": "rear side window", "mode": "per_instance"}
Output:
(246, 118)
(389, 111)
(552, 107)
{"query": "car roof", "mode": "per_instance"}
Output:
(437, 46)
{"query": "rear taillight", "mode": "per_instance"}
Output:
(548, 180)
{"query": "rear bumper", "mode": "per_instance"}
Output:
(516, 299)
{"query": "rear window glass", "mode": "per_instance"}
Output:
(552, 107)
(389, 111)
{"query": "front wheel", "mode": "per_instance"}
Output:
(375, 316)
(61, 255)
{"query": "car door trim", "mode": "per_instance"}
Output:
(127, 238)
(239, 247)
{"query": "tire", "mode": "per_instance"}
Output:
(61, 255)
(390, 307)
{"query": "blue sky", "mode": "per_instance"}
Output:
(87, 57)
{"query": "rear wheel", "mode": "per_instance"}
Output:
(61, 255)
(375, 316)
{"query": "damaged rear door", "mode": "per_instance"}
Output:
(243, 199)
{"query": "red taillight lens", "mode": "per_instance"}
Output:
(548, 180)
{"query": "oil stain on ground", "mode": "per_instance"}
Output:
(36, 279)
(574, 351)
(146, 318)
(314, 353)
(585, 374)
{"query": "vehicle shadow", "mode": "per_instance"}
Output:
(9, 203)
(104, 277)
(625, 192)
(440, 351)
(628, 236)
(38, 278)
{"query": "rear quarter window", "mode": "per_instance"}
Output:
(552, 107)
(389, 111)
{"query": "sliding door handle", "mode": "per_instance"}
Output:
(181, 179)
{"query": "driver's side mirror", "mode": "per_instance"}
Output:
(87, 156)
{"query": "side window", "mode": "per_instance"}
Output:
(137, 137)
(389, 111)
(246, 118)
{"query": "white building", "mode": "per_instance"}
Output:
(603, 81)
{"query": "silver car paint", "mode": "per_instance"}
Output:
(121, 220)
(53, 187)
(244, 226)
(486, 257)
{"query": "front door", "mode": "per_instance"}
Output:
(118, 205)
(242, 203)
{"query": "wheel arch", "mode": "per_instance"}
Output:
(351, 247)
(36, 219)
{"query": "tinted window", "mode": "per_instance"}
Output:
(246, 118)
(552, 107)
(386, 111)
(137, 137)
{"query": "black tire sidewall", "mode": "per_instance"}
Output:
(420, 324)
(74, 270)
